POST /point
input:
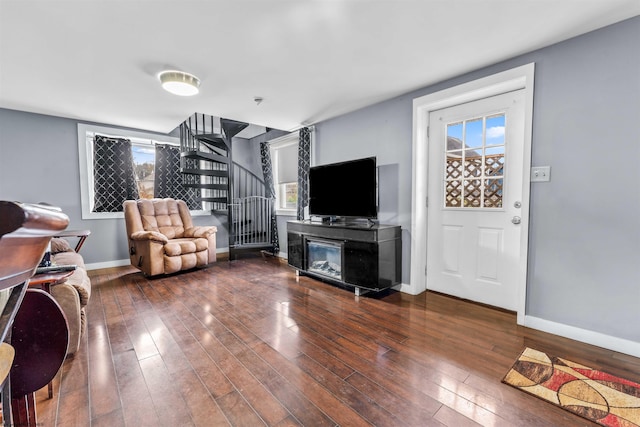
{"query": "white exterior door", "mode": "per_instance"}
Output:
(475, 200)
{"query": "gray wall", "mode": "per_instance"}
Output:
(585, 245)
(585, 224)
(39, 163)
(247, 155)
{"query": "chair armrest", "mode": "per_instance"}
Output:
(200, 231)
(80, 234)
(149, 235)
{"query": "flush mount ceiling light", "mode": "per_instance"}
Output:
(179, 83)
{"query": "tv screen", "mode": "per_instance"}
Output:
(345, 189)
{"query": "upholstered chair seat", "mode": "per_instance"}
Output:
(162, 238)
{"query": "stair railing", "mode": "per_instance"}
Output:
(251, 225)
(245, 183)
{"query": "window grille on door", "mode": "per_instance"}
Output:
(474, 163)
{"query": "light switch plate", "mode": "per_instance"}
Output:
(540, 173)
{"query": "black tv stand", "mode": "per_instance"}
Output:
(361, 254)
(338, 221)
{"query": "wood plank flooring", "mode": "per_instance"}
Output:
(247, 343)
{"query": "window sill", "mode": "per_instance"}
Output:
(286, 212)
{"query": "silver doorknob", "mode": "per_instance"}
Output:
(516, 220)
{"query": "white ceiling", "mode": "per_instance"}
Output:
(98, 60)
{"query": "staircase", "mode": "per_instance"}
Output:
(226, 188)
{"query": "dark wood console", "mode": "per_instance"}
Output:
(365, 256)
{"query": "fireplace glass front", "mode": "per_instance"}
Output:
(325, 258)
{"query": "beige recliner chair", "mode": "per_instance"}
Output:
(162, 238)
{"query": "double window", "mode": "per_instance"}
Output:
(116, 165)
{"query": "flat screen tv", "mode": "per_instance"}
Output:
(345, 189)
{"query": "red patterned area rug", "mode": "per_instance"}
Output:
(597, 396)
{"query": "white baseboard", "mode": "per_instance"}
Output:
(108, 264)
(407, 289)
(583, 335)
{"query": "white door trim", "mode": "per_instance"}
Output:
(514, 79)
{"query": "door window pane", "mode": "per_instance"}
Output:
(454, 165)
(453, 194)
(472, 193)
(493, 193)
(494, 161)
(474, 135)
(495, 130)
(472, 164)
(454, 130)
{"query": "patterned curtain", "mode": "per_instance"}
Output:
(304, 161)
(113, 173)
(168, 180)
(267, 171)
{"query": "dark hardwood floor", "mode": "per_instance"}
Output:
(248, 343)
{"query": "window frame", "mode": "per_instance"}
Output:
(275, 145)
(484, 146)
(86, 133)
